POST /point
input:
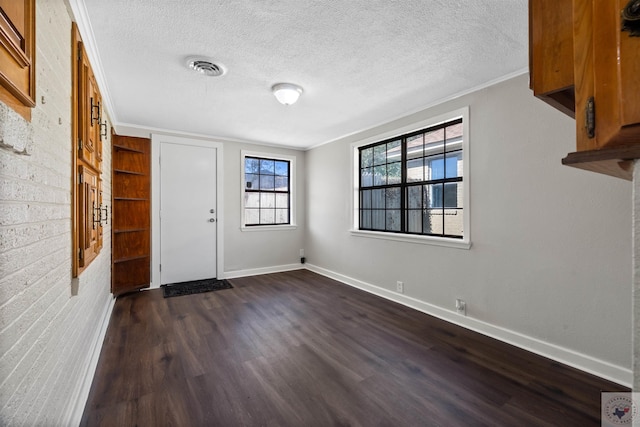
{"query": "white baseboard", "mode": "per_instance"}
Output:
(264, 270)
(600, 368)
(81, 394)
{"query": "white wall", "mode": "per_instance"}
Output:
(549, 268)
(48, 338)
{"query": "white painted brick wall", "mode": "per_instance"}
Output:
(47, 336)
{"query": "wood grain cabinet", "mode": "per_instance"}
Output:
(17, 55)
(131, 226)
(88, 132)
(585, 49)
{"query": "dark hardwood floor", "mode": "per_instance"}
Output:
(299, 349)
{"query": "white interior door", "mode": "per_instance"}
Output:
(188, 213)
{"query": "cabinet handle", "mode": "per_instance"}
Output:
(631, 18)
(590, 117)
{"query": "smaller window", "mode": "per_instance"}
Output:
(267, 183)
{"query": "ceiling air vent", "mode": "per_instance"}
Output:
(205, 66)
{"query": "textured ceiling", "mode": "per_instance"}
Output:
(361, 62)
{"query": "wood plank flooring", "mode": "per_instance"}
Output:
(299, 349)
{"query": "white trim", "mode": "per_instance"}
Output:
(465, 242)
(264, 270)
(80, 395)
(156, 140)
(600, 368)
(292, 190)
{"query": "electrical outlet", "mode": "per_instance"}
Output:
(400, 287)
(461, 307)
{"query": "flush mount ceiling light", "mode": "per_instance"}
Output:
(205, 66)
(286, 93)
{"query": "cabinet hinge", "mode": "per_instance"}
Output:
(80, 253)
(80, 144)
(590, 117)
(79, 53)
(80, 178)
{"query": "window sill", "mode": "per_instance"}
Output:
(422, 240)
(269, 228)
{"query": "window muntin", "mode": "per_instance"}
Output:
(413, 184)
(267, 191)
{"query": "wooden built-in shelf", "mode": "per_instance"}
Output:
(129, 149)
(132, 258)
(131, 199)
(128, 172)
(617, 161)
(130, 230)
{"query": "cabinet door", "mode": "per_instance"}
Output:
(89, 110)
(606, 66)
(550, 53)
(95, 116)
(89, 215)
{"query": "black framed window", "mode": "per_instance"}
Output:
(413, 184)
(267, 191)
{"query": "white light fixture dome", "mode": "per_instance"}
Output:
(287, 93)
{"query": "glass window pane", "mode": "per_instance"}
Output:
(394, 151)
(365, 199)
(432, 221)
(267, 216)
(414, 147)
(414, 197)
(252, 200)
(393, 198)
(434, 142)
(451, 195)
(453, 222)
(282, 216)
(267, 182)
(380, 154)
(377, 219)
(282, 183)
(251, 165)
(282, 168)
(252, 216)
(380, 175)
(433, 195)
(452, 168)
(366, 177)
(267, 200)
(252, 181)
(435, 168)
(393, 220)
(267, 166)
(366, 157)
(415, 170)
(282, 201)
(454, 131)
(414, 221)
(365, 219)
(394, 172)
(377, 199)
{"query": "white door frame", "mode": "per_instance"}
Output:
(156, 140)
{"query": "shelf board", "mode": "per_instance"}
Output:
(616, 161)
(130, 230)
(131, 258)
(131, 199)
(129, 172)
(129, 149)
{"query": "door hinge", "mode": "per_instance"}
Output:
(160, 267)
(590, 117)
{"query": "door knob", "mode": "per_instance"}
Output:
(212, 220)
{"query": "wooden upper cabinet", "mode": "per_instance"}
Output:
(607, 70)
(551, 53)
(17, 55)
(579, 49)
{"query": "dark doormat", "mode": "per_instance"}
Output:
(195, 287)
